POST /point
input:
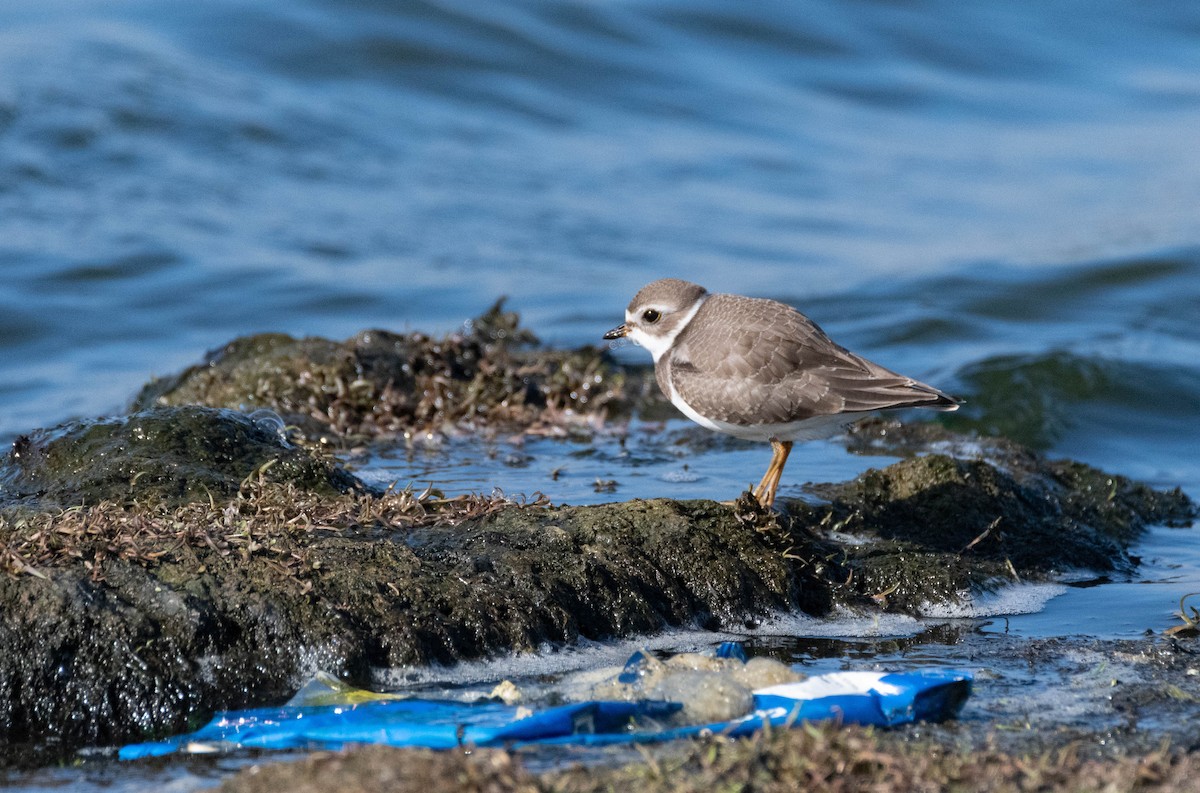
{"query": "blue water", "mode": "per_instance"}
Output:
(1001, 199)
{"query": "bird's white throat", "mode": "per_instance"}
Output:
(659, 339)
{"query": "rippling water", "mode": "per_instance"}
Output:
(1000, 199)
(973, 193)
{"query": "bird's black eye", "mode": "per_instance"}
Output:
(651, 316)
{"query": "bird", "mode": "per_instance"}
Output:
(758, 369)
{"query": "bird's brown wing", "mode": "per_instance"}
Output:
(751, 361)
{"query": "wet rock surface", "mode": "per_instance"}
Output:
(107, 646)
(126, 617)
(939, 526)
(174, 454)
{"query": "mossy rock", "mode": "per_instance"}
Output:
(174, 454)
(134, 617)
(383, 384)
(109, 648)
(937, 527)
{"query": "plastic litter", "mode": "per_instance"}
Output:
(329, 714)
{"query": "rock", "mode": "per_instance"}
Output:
(175, 453)
(123, 620)
(383, 384)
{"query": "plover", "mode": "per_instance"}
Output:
(759, 369)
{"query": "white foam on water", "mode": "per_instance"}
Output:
(547, 660)
(680, 476)
(1015, 599)
(844, 624)
(964, 449)
(555, 660)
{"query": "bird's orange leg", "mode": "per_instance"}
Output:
(765, 492)
(766, 479)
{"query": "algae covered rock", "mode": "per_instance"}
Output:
(158, 615)
(243, 600)
(189, 557)
(181, 560)
(937, 528)
(379, 383)
(175, 453)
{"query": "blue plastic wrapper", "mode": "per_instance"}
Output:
(881, 699)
